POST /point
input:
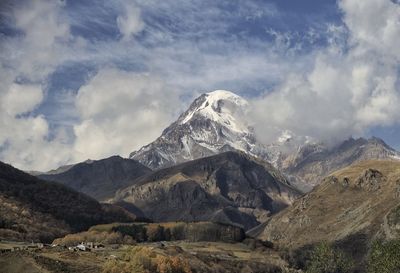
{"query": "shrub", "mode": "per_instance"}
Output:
(326, 259)
(143, 260)
(113, 266)
(384, 257)
(141, 256)
(297, 258)
(172, 265)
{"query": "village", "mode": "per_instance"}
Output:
(10, 246)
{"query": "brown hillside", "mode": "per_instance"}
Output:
(32, 209)
(363, 199)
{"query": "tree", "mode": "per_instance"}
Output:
(137, 232)
(167, 234)
(326, 259)
(155, 233)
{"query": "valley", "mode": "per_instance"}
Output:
(206, 197)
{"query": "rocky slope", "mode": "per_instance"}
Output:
(360, 201)
(311, 162)
(99, 179)
(230, 187)
(32, 209)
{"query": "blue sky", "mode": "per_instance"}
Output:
(79, 59)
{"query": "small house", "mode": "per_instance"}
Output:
(81, 247)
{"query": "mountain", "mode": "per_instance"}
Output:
(213, 124)
(230, 187)
(313, 161)
(216, 122)
(33, 209)
(353, 205)
(99, 179)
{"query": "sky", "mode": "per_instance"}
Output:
(94, 78)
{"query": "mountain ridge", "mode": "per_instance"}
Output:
(230, 184)
(216, 122)
(311, 163)
(98, 178)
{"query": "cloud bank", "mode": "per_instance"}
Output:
(350, 88)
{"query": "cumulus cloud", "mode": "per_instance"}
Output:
(26, 59)
(24, 138)
(374, 26)
(36, 52)
(346, 92)
(121, 111)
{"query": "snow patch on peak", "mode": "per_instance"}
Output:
(221, 106)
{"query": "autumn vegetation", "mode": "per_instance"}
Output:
(143, 260)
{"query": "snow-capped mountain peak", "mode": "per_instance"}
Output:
(215, 122)
(220, 106)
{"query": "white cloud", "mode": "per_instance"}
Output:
(38, 51)
(38, 16)
(374, 25)
(21, 98)
(44, 42)
(346, 92)
(130, 21)
(24, 139)
(26, 60)
(121, 111)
